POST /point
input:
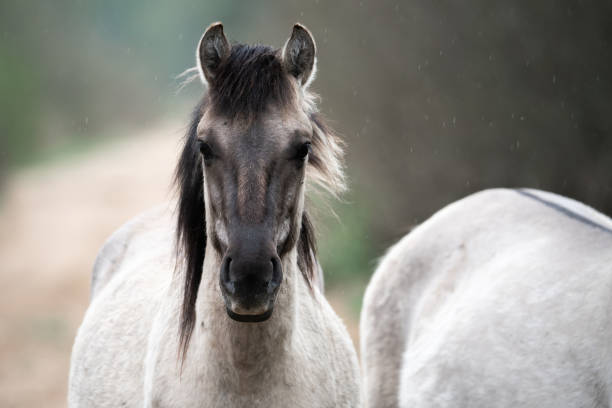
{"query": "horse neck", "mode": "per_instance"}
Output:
(248, 346)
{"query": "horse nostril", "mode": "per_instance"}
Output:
(226, 282)
(277, 274)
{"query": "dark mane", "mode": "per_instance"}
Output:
(249, 80)
(191, 226)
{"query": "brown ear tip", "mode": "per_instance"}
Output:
(215, 27)
(300, 30)
(299, 27)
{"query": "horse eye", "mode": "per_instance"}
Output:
(206, 151)
(303, 151)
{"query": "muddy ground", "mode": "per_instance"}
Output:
(53, 220)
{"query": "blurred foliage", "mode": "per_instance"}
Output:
(346, 251)
(436, 99)
(71, 69)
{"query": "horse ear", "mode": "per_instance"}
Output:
(213, 49)
(299, 55)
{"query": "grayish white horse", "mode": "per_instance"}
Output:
(502, 299)
(234, 315)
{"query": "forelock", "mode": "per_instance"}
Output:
(249, 80)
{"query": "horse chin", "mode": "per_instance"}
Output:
(249, 318)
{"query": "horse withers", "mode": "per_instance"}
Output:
(221, 304)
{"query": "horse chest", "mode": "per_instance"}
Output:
(213, 387)
(210, 378)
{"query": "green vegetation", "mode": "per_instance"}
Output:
(346, 250)
(70, 71)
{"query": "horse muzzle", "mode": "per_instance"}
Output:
(249, 287)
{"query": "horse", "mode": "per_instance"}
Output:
(220, 303)
(501, 299)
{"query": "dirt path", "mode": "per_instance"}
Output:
(53, 220)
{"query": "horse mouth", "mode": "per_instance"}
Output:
(250, 318)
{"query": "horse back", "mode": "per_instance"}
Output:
(461, 302)
(113, 251)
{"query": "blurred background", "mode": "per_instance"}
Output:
(436, 99)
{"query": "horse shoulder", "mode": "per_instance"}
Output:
(340, 356)
(129, 278)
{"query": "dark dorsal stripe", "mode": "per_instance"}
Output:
(565, 211)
